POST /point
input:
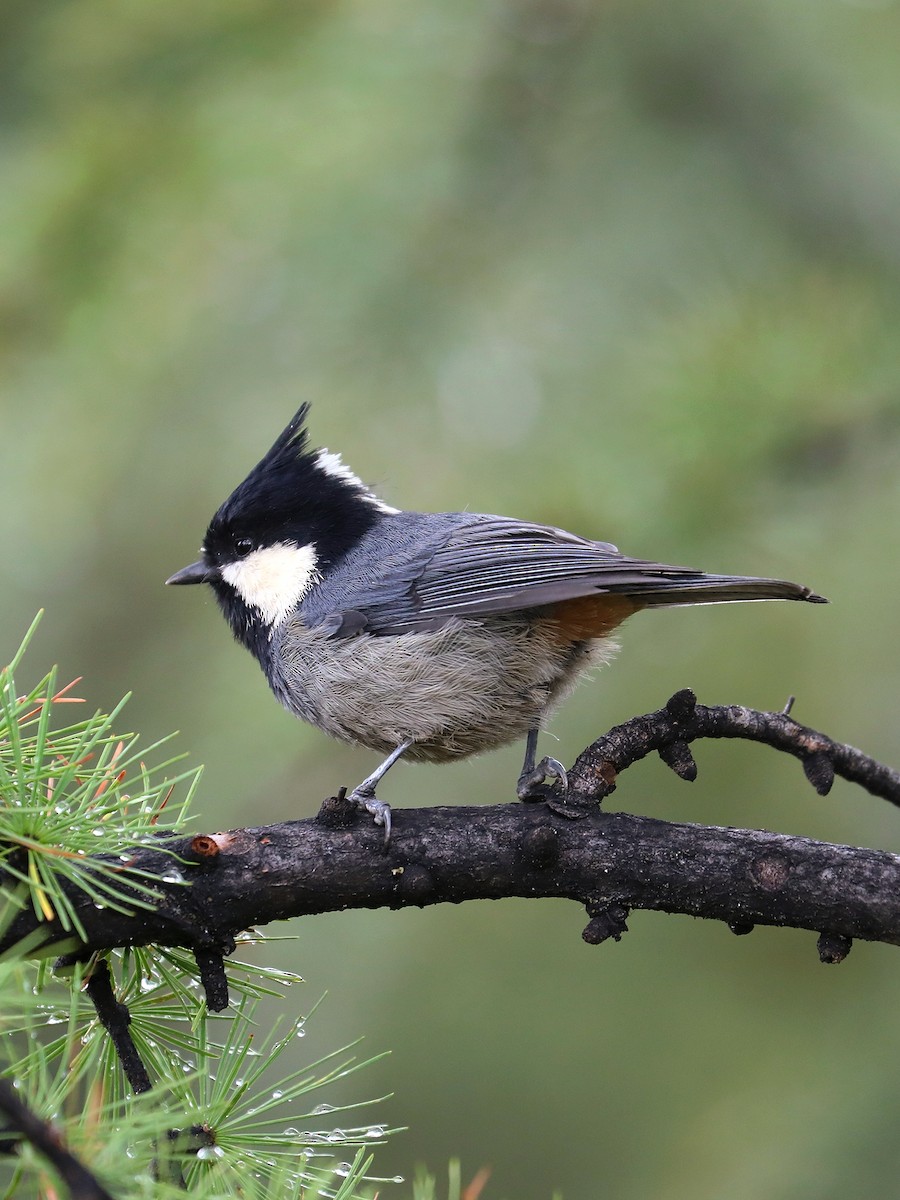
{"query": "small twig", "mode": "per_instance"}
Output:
(682, 720)
(46, 1140)
(115, 1019)
(211, 965)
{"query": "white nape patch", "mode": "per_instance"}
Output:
(274, 579)
(330, 463)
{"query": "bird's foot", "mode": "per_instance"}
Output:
(380, 812)
(531, 782)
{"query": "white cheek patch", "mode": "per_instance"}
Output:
(273, 580)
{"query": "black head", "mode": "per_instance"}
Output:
(294, 516)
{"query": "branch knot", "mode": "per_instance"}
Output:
(607, 921)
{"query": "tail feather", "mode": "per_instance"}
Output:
(716, 589)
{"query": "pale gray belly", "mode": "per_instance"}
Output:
(458, 690)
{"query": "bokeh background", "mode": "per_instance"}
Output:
(631, 268)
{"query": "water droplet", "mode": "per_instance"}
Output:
(291, 1132)
(98, 832)
(375, 1131)
(343, 1169)
(172, 875)
(398, 1179)
(210, 1152)
(276, 1095)
(321, 1109)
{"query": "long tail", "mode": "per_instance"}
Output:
(713, 589)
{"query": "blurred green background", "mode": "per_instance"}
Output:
(631, 268)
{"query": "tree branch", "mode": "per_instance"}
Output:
(608, 862)
(682, 720)
(115, 1019)
(78, 1179)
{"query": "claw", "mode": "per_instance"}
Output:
(530, 784)
(377, 809)
(364, 796)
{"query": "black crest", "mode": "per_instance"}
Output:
(277, 481)
(289, 495)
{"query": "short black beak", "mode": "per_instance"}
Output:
(197, 572)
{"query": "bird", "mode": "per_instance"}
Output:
(426, 636)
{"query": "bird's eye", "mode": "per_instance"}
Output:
(243, 546)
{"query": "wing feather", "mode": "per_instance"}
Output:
(420, 570)
(497, 565)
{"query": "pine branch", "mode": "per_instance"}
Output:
(46, 1140)
(608, 862)
(115, 1019)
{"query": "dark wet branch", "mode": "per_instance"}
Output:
(610, 863)
(211, 965)
(46, 1140)
(116, 1019)
(670, 729)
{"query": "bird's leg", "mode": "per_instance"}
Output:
(530, 784)
(364, 795)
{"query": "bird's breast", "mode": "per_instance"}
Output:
(465, 687)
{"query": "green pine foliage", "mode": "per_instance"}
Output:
(220, 1119)
(75, 798)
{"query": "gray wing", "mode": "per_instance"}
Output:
(487, 564)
